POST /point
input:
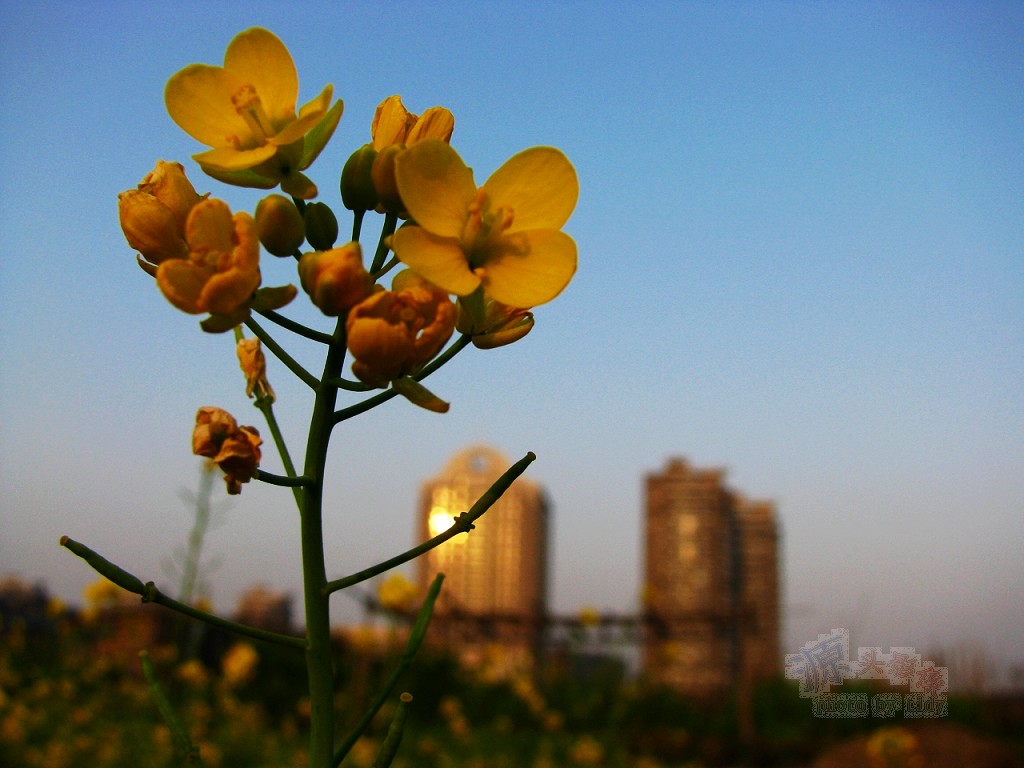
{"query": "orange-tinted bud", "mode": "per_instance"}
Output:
(254, 365)
(383, 175)
(153, 215)
(391, 123)
(335, 280)
(279, 225)
(435, 123)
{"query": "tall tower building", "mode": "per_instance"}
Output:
(711, 605)
(759, 597)
(494, 598)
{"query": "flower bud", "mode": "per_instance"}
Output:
(153, 215)
(254, 365)
(321, 226)
(335, 280)
(383, 175)
(435, 123)
(391, 123)
(279, 225)
(491, 323)
(357, 190)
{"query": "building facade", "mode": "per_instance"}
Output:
(711, 604)
(494, 599)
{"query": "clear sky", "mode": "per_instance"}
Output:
(800, 235)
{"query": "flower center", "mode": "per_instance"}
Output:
(247, 104)
(484, 228)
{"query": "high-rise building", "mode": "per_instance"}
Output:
(711, 583)
(494, 599)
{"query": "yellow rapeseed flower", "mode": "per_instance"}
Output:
(245, 111)
(393, 333)
(222, 268)
(505, 236)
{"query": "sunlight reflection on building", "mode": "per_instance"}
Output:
(492, 606)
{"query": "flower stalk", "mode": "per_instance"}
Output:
(475, 259)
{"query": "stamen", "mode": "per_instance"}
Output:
(248, 105)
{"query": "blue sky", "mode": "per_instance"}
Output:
(800, 259)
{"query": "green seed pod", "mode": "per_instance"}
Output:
(321, 226)
(279, 225)
(357, 190)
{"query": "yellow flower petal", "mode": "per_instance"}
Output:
(198, 99)
(436, 186)
(182, 283)
(210, 227)
(260, 59)
(539, 184)
(225, 291)
(311, 114)
(530, 268)
(229, 159)
(435, 123)
(439, 260)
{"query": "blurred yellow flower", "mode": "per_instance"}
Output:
(505, 236)
(245, 111)
(193, 673)
(153, 215)
(894, 747)
(221, 270)
(239, 664)
(254, 365)
(393, 333)
(102, 594)
(236, 450)
(397, 593)
(586, 751)
(589, 617)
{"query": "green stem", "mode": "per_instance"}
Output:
(190, 568)
(462, 524)
(307, 378)
(390, 223)
(150, 594)
(266, 406)
(372, 402)
(298, 328)
(419, 630)
(291, 481)
(350, 386)
(389, 747)
(319, 664)
(392, 263)
(174, 724)
(357, 224)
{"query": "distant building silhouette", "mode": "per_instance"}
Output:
(494, 599)
(711, 583)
